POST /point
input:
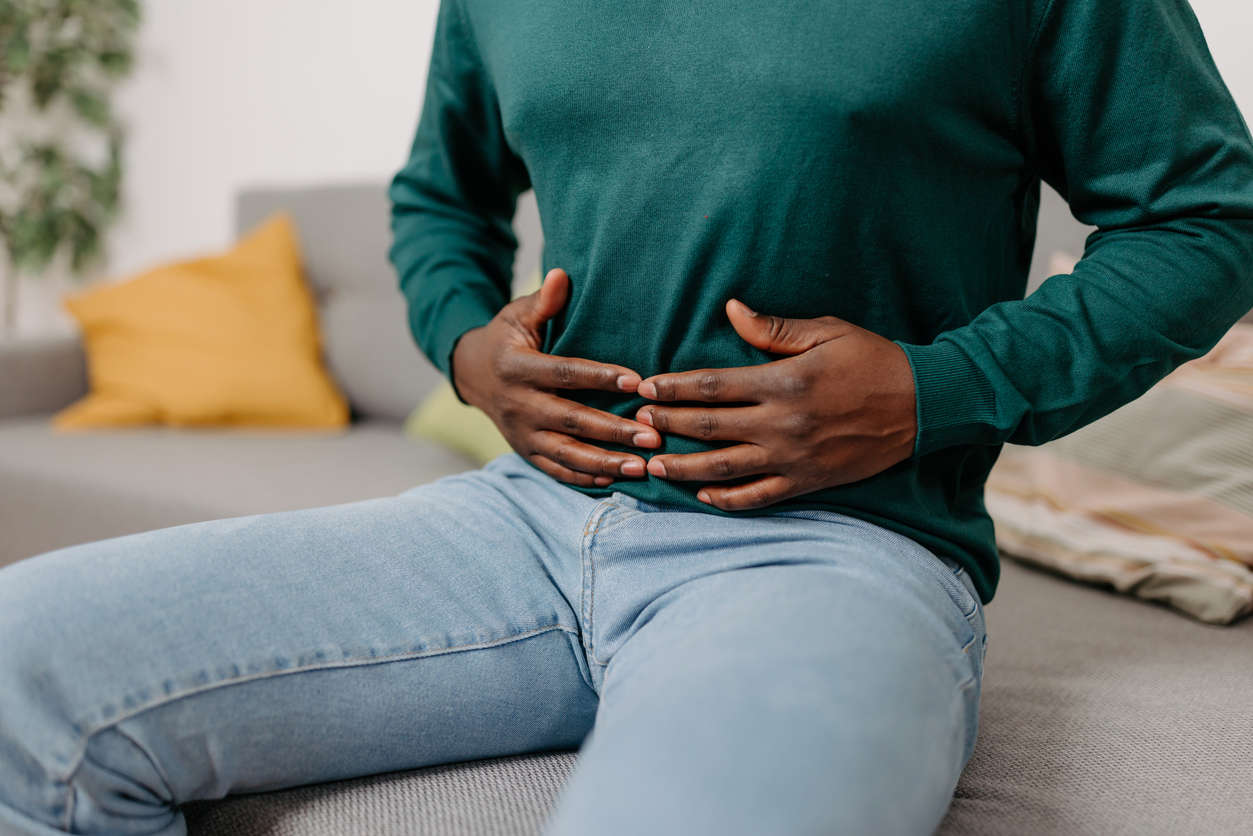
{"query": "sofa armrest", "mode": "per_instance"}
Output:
(40, 374)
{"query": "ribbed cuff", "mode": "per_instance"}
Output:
(955, 403)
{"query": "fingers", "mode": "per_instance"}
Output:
(724, 463)
(780, 334)
(756, 494)
(584, 459)
(553, 372)
(738, 383)
(551, 297)
(565, 474)
(575, 419)
(724, 423)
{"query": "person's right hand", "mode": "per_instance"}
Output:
(499, 368)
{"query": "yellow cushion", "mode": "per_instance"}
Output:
(225, 340)
(441, 418)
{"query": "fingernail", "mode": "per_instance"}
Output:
(633, 468)
(628, 382)
(648, 389)
(746, 308)
(657, 467)
(602, 480)
(645, 439)
(702, 496)
(645, 417)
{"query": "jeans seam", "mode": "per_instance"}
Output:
(585, 639)
(599, 516)
(156, 766)
(90, 732)
(69, 804)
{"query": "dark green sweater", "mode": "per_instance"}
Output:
(878, 160)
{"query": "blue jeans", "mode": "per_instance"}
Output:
(800, 672)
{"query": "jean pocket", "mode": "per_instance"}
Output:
(970, 600)
(953, 580)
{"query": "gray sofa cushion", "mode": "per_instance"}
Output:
(345, 233)
(1100, 715)
(60, 488)
(344, 236)
(497, 797)
(41, 374)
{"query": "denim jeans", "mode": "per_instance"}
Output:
(798, 672)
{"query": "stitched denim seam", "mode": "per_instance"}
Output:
(589, 568)
(959, 573)
(606, 526)
(156, 766)
(69, 806)
(79, 756)
(69, 789)
(591, 586)
(596, 516)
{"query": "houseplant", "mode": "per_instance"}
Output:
(60, 140)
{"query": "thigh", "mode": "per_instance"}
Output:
(837, 694)
(270, 650)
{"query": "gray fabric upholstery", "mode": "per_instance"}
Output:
(508, 796)
(1100, 715)
(59, 488)
(345, 234)
(40, 374)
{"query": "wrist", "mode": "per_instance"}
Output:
(460, 358)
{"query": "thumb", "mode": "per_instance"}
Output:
(549, 299)
(783, 335)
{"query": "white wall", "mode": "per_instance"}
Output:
(231, 93)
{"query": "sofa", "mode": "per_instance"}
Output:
(1100, 714)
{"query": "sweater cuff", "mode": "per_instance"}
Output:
(954, 401)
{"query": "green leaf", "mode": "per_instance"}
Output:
(17, 53)
(115, 63)
(84, 240)
(71, 52)
(34, 238)
(92, 106)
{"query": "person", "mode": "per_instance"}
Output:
(739, 555)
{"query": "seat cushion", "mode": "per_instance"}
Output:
(507, 796)
(1105, 714)
(1100, 714)
(57, 489)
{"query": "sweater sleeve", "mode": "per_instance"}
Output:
(453, 201)
(1125, 114)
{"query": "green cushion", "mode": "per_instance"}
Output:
(466, 429)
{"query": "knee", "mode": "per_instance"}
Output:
(36, 745)
(55, 770)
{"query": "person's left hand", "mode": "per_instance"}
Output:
(840, 409)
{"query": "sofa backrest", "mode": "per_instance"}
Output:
(345, 232)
